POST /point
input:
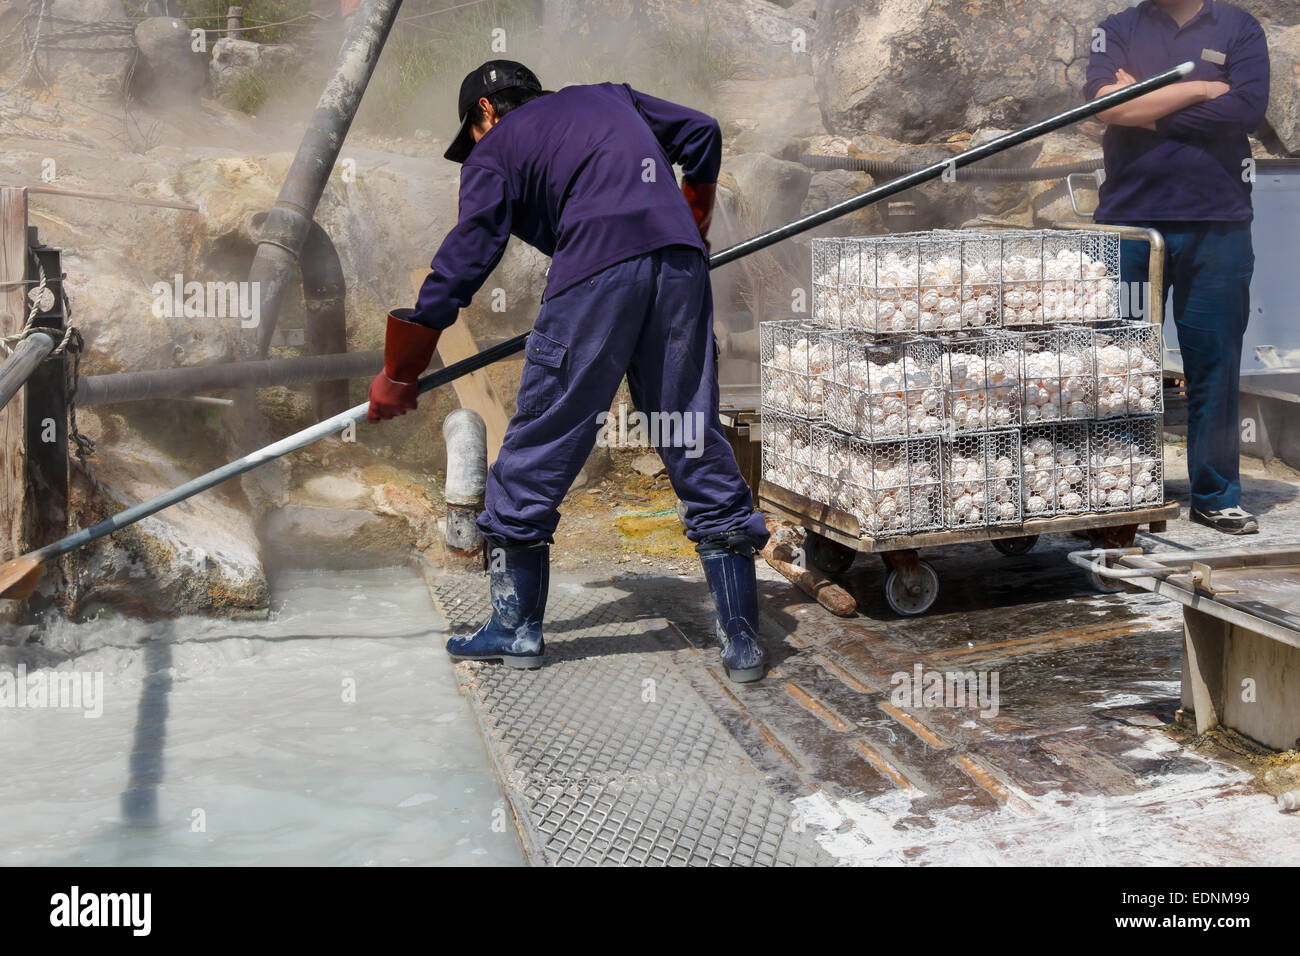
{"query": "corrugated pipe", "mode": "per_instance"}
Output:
(883, 169)
(289, 221)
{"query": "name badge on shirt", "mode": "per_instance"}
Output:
(1214, 56)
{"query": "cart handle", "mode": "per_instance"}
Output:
(1155, 261)
(1095, 561)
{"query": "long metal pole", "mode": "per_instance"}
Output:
(249, 462)
(937, 169)
(925, 174)
(511, 346)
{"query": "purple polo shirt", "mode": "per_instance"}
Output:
(585, 175)
(1190, 167)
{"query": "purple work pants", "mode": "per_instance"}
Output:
(650, 317)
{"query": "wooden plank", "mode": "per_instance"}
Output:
(13, 267)
(474, 390)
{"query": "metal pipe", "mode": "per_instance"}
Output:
(193, 379)
(324, 291)
(289, 221)
(465, 436)
(19, 366)
(184, 382)
(26, 563)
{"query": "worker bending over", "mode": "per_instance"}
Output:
(586, 176)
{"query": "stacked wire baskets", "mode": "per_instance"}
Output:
(942, 283)
(892, 486)
(794, 355)
(958, 380)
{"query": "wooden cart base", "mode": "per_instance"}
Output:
(911, 585)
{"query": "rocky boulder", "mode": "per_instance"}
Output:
(233, 61)
(200, 556)
(1284, 91)
(918, 72)
(771, 190)
(753, 39)
(166, 71)
(1283, 13)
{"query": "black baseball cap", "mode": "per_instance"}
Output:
(492, 77)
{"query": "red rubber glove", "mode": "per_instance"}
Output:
(700, 197)
(408, 350)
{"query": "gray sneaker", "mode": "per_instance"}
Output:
(1228, 520)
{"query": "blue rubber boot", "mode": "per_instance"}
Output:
(518, 575)
(728, 561)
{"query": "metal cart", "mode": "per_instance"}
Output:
(835, 538)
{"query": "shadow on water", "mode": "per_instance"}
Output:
(147, 762)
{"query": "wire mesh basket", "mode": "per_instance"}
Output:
(981, 381)
(1125, 464)
(794, 355)
(1059, 277)
(788, 452)
(981, 477)
(884, 389)
(926, 282)
(1128, 357)
(892, 487)
(1054, 468)
(1059, 374)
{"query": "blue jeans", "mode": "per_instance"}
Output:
(1209, 266)
(651, 318)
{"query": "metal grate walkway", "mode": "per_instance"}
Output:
(608, 754)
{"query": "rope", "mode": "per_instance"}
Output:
(71, 344)
(29, 327)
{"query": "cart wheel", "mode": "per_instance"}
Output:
(1014, 547)
(904, 602)
(830, 556)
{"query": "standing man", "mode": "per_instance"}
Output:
(586, 176)
(1178, 160)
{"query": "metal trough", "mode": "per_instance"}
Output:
(1241, 632)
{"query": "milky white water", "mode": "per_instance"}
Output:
(331, 734)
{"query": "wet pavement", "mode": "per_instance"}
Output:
(1024, 719)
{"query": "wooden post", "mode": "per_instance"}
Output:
(234, 21)
(13, 269)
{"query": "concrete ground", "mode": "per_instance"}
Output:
(1073, 756)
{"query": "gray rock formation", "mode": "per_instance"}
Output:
(166, 71)
(233, 60)
(755, 38)
(1284, 93)
(772, 190)
(921, 71)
